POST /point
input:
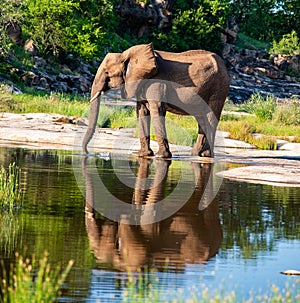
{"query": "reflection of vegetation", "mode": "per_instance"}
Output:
(10, 229)
(141, 289)
(10, 191)
(32, 281)
(254, 217)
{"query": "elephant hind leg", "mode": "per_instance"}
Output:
(204, 146)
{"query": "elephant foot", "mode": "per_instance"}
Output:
(163, 154)
(203, 152)
(145, 153)
(201, 147)
(145, 150)
(163, 151)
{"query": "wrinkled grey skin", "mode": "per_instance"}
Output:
(194, 83)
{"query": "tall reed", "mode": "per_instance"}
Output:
(10, 187)
(32, 281)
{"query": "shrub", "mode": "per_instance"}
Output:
(262, 107)
(288, 114)
(288, 45)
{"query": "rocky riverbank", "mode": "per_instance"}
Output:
(45, 131)
(253, 71)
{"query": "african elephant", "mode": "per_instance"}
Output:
(164, 81)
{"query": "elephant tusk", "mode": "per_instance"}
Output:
(95, 97)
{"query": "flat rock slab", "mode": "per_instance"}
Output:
(46, 131)
(272, 175)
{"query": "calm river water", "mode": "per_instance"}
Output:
(241, 239)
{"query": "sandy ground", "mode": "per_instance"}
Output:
(46, 131)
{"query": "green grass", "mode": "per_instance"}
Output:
(10, 187)
(32, 281)
(245, 41)
(40, 103)
(262, 108)
(270, 119)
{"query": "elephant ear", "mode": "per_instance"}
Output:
(140, 61)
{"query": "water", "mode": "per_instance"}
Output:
(243, 238)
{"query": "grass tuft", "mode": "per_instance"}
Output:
(263, 108)
(32, 281)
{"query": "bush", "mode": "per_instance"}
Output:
(262, 107)
(288, 114)
(288, 45)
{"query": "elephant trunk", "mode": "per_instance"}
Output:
(99, 85)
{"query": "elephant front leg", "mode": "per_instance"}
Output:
(158, 113)
(143, 115)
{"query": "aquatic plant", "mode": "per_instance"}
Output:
(10, 191)
(32, 281)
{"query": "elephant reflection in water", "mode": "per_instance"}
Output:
(188, 236)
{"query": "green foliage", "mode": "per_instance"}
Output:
(10, 187)
(32, 281)
(84, 28)
(288, 45)
(9, 10)
(49, 22)
(197, 27)
(266, 19)
(262, 107)
(288, 114)
(91, 28)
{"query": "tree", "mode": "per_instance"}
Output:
(197, 27)
(11, 14)
(266, 19)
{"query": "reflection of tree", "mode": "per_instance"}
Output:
(255, 217)
(189, 236)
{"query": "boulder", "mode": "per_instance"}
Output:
(30, 47)
(252, 72)
(287, 62)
